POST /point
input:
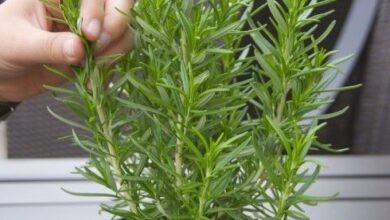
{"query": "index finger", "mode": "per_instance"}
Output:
(115, 22)
(52, 7)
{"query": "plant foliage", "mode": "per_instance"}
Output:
(171, 136)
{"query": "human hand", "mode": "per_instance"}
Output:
(28, 39)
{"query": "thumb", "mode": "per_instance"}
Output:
(54, 48)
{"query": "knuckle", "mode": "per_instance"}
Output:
(92, 8)
(52, 50)
(116, 27)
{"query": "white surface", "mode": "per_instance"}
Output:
(355, 165)
(28, 193)
(44, 169)
(350, 210)
(353, 188)
(360, 210)
(19, 193)
(36, 169)
(87, 211)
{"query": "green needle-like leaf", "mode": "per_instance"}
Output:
(168, 127)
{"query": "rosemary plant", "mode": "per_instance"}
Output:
(171, 137)
(292, 75)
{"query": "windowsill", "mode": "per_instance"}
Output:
(35, 185)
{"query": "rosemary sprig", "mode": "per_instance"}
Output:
(290, 78)
(171, 137)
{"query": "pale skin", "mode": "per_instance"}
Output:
(28, 40)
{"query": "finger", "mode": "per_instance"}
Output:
(92, 12)
(51, 48)
(60, 28)
(122, 46)
(52, 8)
(115, 23)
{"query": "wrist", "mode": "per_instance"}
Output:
(10, 93)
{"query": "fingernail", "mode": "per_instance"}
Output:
(69, 48)
(94, 27)
(103, 40)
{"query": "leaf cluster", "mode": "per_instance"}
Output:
(293, 73)
(170, 136)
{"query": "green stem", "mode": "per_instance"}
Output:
(115, 163)
(179, 143)
(203, 194)
(255, 180)
(282, 203)
(280, 107)
(92, 71)
(179, 154)
(182, 126)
